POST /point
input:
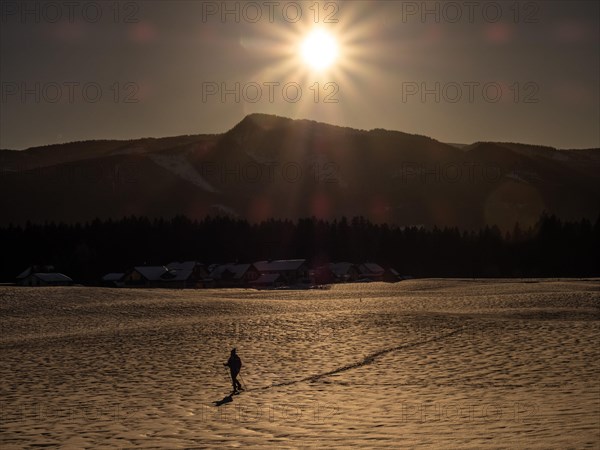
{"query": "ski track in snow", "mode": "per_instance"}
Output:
(369, 359)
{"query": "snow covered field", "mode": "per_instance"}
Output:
(422, 363)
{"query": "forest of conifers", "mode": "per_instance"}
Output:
(553, 248)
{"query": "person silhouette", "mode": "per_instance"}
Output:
(235, 365)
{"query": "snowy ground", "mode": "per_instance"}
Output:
(422, 363)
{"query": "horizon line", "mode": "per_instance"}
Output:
(454, 144)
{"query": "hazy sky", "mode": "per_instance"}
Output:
(456, 71)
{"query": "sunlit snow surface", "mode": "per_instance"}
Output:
(429, 363)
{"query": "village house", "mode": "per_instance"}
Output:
(185, 275)
(392, 276)
(178, 275)
(43, 276)
(344, 272)
(114, 279)
(234, 275)
(370, 271)
(144, 276)
(267, 280)
(321, 275)
(292, 271)
(262, 274)
(375, 272)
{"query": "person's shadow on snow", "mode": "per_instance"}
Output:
(226, 399)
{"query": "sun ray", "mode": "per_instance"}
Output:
(313, 55)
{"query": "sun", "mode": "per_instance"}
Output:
(319, 50)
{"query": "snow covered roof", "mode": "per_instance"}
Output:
(49, 277)
(113, 276)
(371, 268)
(340, 269)
(177, 274)
(35, 269)
(235, 271)
(279, 265)
(24, 274)
(151, 273)
(180, 271)
(184, 265)
(266, 278)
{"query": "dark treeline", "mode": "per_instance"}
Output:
(85, 252)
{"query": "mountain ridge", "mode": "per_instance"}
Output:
(271, 166)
